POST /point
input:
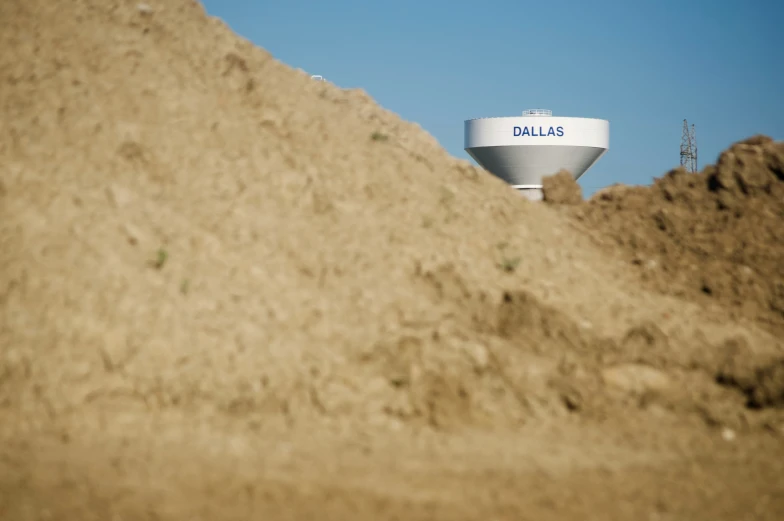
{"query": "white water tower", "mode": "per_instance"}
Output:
(523, 150)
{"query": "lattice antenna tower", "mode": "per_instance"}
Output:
(689, 148)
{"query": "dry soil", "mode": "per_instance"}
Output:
(229, 292)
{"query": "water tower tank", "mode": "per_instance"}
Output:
(523, 150)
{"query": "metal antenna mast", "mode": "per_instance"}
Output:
(689, 148)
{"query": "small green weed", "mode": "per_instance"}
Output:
(509, 264)
(160, 259)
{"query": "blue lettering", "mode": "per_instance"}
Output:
(540, 132)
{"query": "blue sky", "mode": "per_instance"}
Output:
(644, 66)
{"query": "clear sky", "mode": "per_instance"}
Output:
(644, 65)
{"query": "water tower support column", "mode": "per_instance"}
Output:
(530, 192)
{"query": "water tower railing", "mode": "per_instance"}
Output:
(537, 112)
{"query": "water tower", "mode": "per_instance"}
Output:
(523, 150)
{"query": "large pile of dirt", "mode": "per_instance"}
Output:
(230, 291)
(713, 237)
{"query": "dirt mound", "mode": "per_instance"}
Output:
(229, 291)
(716, 237)
(561, 188)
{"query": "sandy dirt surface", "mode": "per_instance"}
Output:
(230, 292)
